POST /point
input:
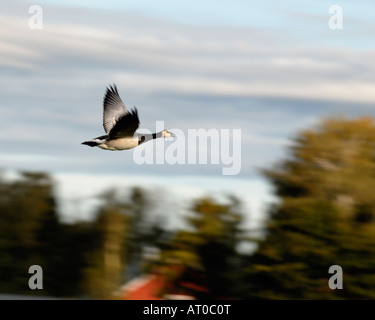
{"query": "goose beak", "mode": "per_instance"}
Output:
(171, 135)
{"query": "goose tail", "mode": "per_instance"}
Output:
(91, 143)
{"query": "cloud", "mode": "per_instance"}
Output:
(166, 56)
(261, 80)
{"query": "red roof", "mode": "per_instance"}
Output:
(147, 287)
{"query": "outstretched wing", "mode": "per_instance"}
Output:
(126, 125)
(114, 109)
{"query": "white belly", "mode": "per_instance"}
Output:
(119, 144)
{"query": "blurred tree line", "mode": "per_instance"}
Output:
(325, 217)
(84, 259)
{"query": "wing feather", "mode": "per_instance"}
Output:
(113, 108)
(126, 125)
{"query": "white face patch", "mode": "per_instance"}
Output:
(167, 134)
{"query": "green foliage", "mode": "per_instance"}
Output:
(106, 259)
(84, 259)
(30, 233)
(122, 232)
(326, 217)
(206, 254)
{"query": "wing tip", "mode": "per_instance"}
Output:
(111, 94)
(112, 88)
(134, 113)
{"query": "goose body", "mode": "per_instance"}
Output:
(113, 144)
(120, 125)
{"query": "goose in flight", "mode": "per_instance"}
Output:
(120, 125)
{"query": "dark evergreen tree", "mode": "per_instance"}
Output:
(325, 217)
(203, 260)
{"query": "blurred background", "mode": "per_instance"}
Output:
(103, 227)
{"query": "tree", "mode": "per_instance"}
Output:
(106, 259)
(80, 259)
(138, 233)
(31, 234)
(203, 260)
(24, 205)
(325, 217)
(121, 232)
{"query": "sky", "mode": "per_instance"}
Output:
(266, 68)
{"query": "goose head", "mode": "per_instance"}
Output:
(167, 134)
